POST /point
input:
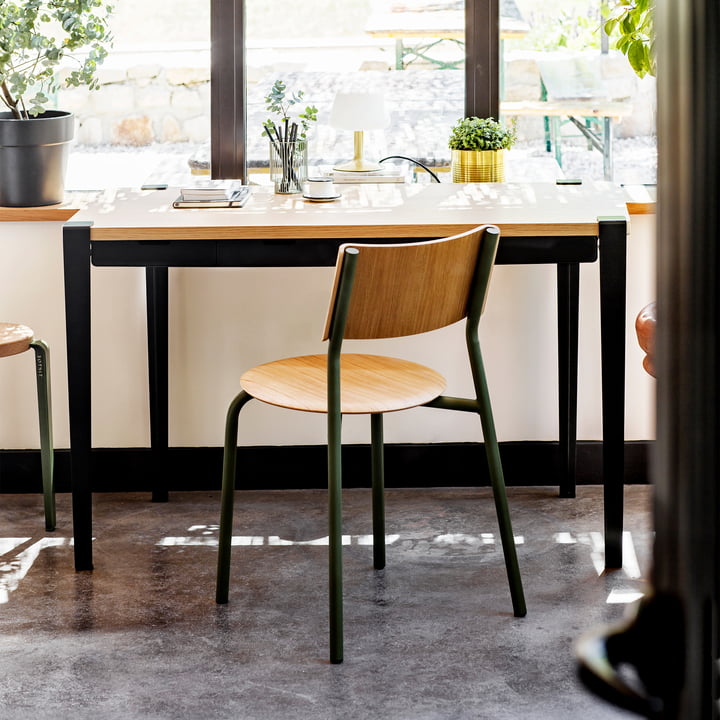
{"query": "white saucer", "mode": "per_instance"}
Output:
(322, 199)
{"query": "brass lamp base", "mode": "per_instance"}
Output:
(357, 166)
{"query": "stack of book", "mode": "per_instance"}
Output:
(373, 176)
(213, 193)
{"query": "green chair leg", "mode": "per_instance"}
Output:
(378, 490)
(498, 485)
(227, 500)
(335, 576)
(42, 373)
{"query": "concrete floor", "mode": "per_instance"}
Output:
(430, 637)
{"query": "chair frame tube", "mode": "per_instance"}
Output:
(378, 489)
(334, 433)
(227, 500)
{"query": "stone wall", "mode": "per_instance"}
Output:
(144, 98)
(149, 97)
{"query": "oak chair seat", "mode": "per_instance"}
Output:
(14, 339)
(368, 383)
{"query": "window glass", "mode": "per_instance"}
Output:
(411, 52)
(151, 113)
(564, 61)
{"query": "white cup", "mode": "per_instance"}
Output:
(320, 187)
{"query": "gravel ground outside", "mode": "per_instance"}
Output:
(97, 167)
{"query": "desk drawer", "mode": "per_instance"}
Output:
(304, 252)
(546, 250)
(159, 253)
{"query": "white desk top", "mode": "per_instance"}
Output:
(363, 211)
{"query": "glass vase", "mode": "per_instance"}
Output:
(288, 165)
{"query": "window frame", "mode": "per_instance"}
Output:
(228, 84)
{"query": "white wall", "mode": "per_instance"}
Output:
(225, 320)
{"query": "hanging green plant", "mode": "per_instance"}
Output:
(633, 21)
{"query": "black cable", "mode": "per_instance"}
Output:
(417, 162)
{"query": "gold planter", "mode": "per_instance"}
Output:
(477, 166)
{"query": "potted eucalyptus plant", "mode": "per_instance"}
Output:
(477, 146)
(38, 41)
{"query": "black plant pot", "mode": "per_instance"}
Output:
(33, 158)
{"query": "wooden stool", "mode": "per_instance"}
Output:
(16, 339)
(645, 328)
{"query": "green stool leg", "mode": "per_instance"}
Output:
(227, 500)
(498, 485)
(42, 373)
(378, 490)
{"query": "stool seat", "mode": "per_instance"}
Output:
(14, 339)
(645, 327)
(368, 383)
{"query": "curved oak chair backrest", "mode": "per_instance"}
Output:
(411, 288)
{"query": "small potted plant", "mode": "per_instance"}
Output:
(477, 146)
(37, 39)
(288, 138)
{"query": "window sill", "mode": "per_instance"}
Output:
(47, 213)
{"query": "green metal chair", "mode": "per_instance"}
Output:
(16, 339)
(380, 291)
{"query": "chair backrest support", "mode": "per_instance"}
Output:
(406, 289)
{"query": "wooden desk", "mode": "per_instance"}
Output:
(543, 223)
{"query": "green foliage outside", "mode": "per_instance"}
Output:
(632, 20)
(572, 25)
(36, 36)
(563, 25)
(473, 133)
(567, 30)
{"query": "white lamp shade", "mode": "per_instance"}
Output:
(359, 111)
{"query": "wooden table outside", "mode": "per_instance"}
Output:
(427, 24)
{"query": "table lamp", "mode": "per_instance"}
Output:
(359, 111)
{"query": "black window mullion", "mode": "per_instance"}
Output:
(228, 116)
(482, 58)
(228, 96)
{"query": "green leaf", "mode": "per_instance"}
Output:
(36, 35)
(278, 102)
(637, 56)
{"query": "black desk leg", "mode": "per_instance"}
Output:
(76, 260)
(613, 263)
(156, 284)
(568, 284)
